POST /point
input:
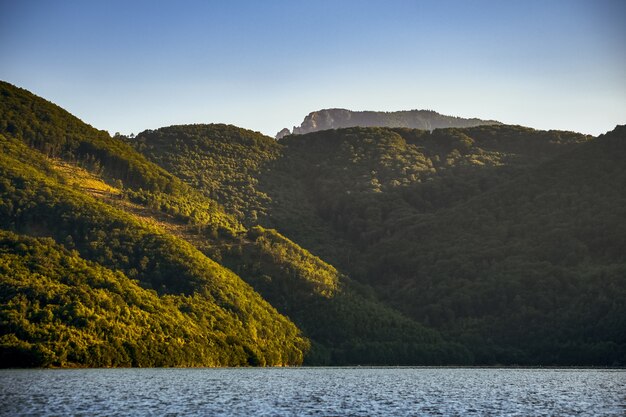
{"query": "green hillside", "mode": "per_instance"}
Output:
(225, 168)
(212, 245)
(235, 326)
(222, 320)
(56, 133)
(99, 199)
(340, 192)
(508, 240)
(61, 310)
(363, 181)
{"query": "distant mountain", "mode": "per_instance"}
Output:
(414, 119)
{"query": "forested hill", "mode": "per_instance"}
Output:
(416, 119)
(225, 162)
(212, 245)
(532, 270)
(96, 273)
(470, 231)
(509, 240)
(107, 259)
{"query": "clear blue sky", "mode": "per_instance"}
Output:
(132, 65)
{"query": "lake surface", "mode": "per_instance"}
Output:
(360, 391)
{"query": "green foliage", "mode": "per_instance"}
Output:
(529, 272)
(60, 310)
(212, 297)
(499, 236)
(57, 134)
(505, 238)
(278, 256)
(366, 183)
(347, 325)
(222, 161)
(489, 244)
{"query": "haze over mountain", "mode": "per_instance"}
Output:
(213, 245)
(416, 119)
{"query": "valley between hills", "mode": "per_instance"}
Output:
(358, 238)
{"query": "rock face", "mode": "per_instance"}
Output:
(417, 119)
(283, 133)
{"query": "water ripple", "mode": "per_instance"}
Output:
(313, 392)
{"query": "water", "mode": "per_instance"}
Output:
(313, 392)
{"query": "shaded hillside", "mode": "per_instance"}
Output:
(364, 183)
(533, 270)
(471, 231)
(505, 238)
(414, 119)
(226, 162)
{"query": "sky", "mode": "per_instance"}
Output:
(126, 66)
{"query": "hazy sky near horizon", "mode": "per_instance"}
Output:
(132, 65)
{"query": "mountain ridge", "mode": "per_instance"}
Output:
(335, 118)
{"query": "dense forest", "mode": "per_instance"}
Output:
(90, 198)
(212, 245)
(230, 324)
(497, 236)
(330, 308)
(180, 308)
